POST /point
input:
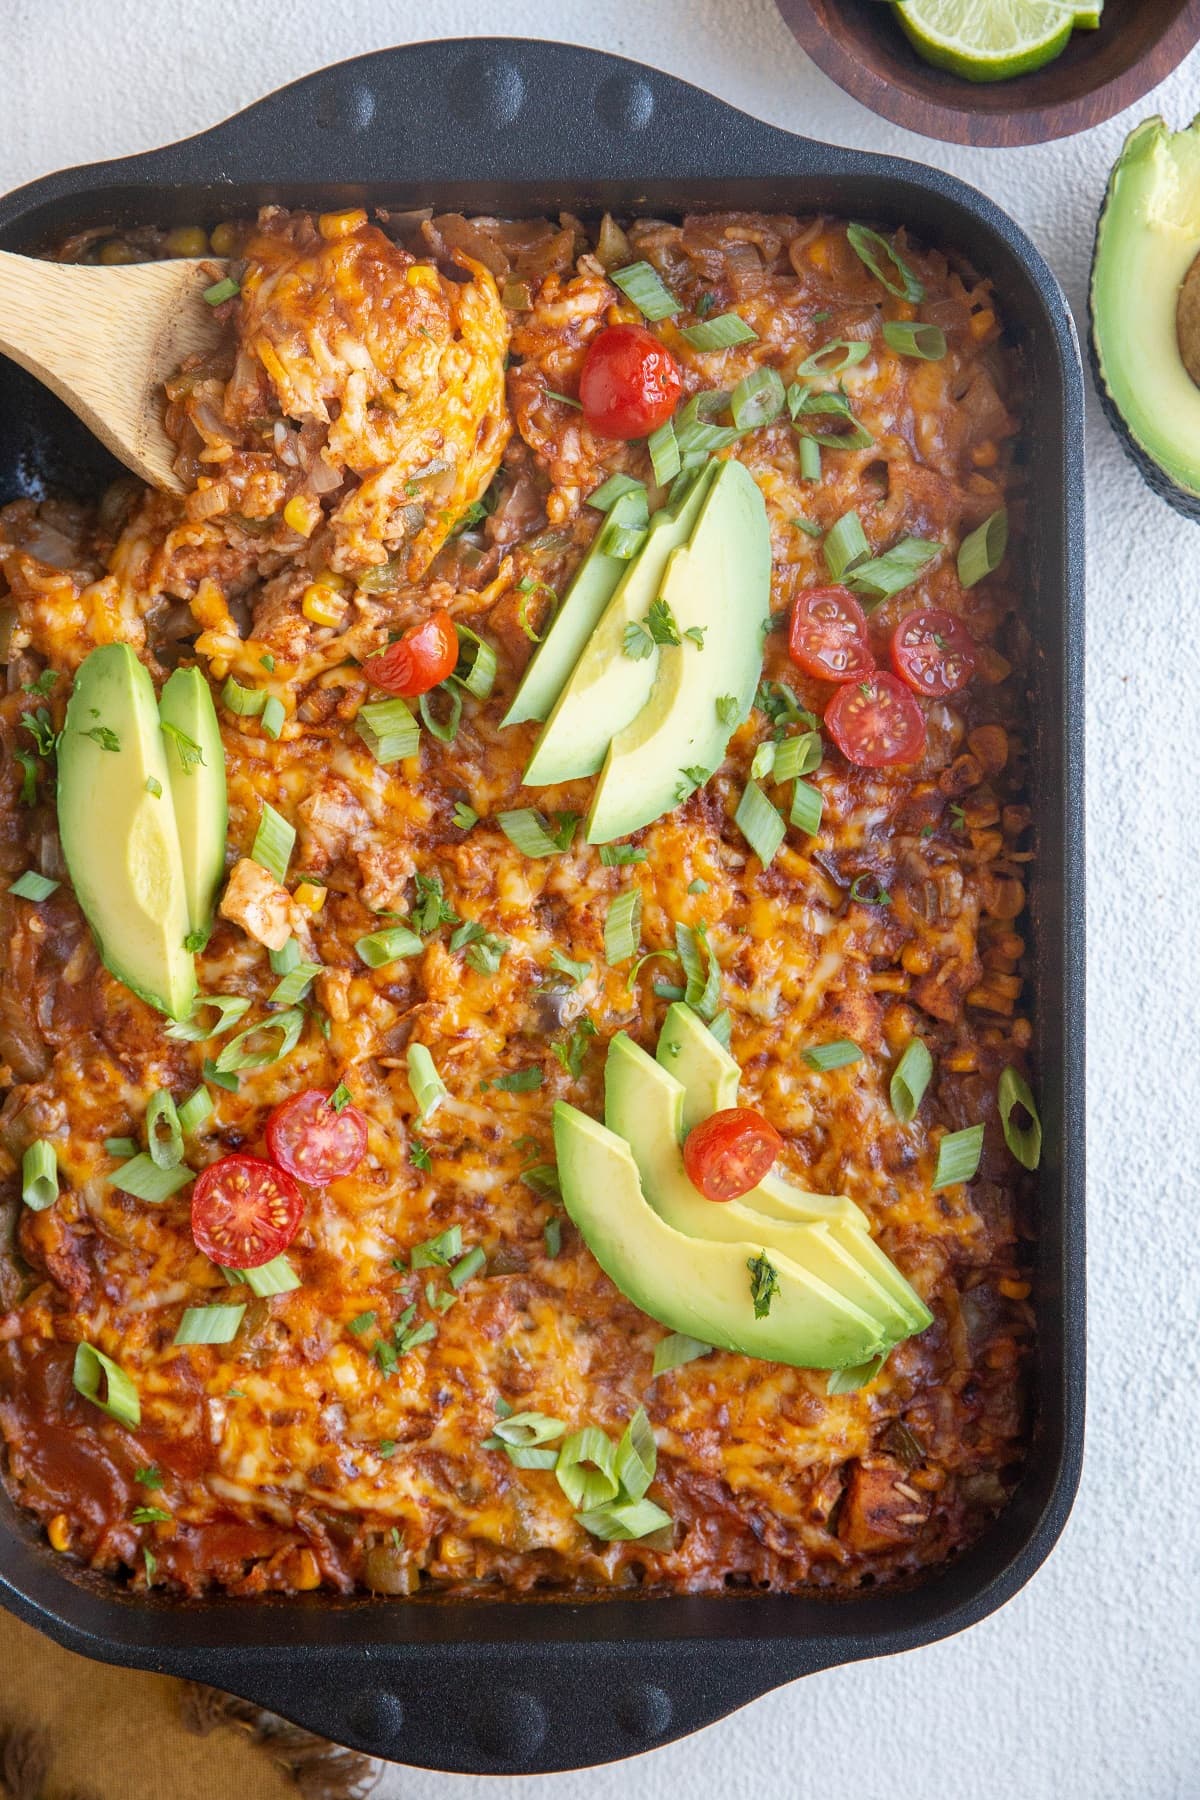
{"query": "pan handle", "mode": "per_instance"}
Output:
(529, 1708)
(481, 111)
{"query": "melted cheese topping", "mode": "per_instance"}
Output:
(294, 1455)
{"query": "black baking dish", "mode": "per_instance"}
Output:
(522, 127)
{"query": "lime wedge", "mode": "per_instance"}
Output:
(989, 40)
(1087, 18)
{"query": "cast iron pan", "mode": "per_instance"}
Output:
(521, 127)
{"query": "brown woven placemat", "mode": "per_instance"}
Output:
(71, 1729)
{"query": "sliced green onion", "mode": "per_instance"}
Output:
(121, 1146)
(439, 1252)
(698, 435)
(210, 1324)
(1025, 1142)
(806, 807)
(622, 927)
(835, 1055)
(834, 358)
(464, 817)
(798, 755)
(563, 399)
(850, 433)
(610, 491)
(388, 729)
(895, 570)
(230, 1008)
(429, 1090)
(719, 333)
(154, 786)
(849, 1381)
(470, 1265)
(910, 1077)
(641, 283)
(420, 1334)
(722, 1027)
(195, 1109)
(246, 702)
(295, 984)
(273, 843)
(378, 948)
(664, 453)
(476, 668)
(39, 1176)
(703, 990)
(528, 831)
(224, 289)
(267, 661)
(845, 546)
(531, 1459)
(32, 886)
(868, 245)
(94, 1375)
(162, 1115)
(235, 1056)
(286, 958)
(672, 1352)
(275, 1277)
(526, 1430)
(361, 1323)
(273, 716)
(552, 1237)
(586, 1469)
(808, 526)
(757, 399)
(760, 823)
(982, 552)
(623, 1519)
(210, 1072)
(927, 342)
(637, 1456)
(958, 1156)
(445, 730)
(619, 538)
(810, 459)
(143, 1178)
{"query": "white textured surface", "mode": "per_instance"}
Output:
(1085, 1686)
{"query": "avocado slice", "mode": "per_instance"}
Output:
(696, 1285)
(718, 583)
(116, 818)
(198, 790)
(607, 688)
(644, 1105)
(1147, 239)
(710, 1078)
(584, 601)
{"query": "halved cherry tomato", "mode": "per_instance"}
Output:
(828, 636)
(876, 721)
(934, 652)
(629, 383)
(314, 1143)
(730, 1153)
(418, 660)
(245, 1211)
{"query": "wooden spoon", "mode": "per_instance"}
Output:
(105, 339)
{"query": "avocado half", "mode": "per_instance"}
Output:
(1147, 239)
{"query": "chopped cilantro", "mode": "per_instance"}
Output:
(362, 1322)
(575, 971)
(340, 1097)
(418, 1155)
(696, 633)
(148, 1477)
(571, 1054)
(764, 1283)
(188, 749)
(40, 727)
(728, 709)
(44, 684)
(519, 1081)
(431, 909)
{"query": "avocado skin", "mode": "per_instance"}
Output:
(201, 807)
(1185, 502)
(137, 911)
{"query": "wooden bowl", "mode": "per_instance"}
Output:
(861, 47)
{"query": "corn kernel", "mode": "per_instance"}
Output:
(308, 1572)
(59, 1532)
(1013, 1290)
(187, 240)
(961, 1062)
(982, 322)
(223, 238)
(310, 895)
(341, 224)
(984, 455)
(917, 959)
(116, 250)
(423, 275)
(301, 514)
(321, 605)
(341, 584)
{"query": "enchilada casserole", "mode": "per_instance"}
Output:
(410, 819)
